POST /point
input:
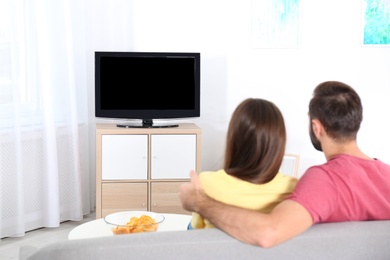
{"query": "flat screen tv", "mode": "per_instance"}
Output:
(147, 86)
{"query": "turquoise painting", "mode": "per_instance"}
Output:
(376, 22)
(275, 23)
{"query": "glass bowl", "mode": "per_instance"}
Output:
(128, 222)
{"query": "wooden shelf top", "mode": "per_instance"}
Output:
(184, 128)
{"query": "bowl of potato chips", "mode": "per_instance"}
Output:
(128, 222)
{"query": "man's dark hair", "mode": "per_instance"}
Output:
(339, 109)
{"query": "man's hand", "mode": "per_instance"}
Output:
(191, 193)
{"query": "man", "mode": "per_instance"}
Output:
(350, 186)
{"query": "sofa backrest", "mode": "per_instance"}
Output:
(347, 240)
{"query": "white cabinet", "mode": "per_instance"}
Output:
(142, 169)
(172, 156)
(124, 157)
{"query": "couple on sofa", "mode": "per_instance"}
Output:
(254, 203)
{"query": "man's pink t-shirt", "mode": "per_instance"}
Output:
(345, 188)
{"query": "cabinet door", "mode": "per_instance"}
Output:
(118, 197)
(165, 198)
(173, 156)
(124, 157)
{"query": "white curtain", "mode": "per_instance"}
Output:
(44, 168)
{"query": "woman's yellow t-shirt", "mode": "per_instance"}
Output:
(233, 191)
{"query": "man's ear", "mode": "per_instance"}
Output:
(317, 127)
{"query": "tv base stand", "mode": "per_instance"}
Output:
(147, 123)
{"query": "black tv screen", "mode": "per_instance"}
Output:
(147, 85)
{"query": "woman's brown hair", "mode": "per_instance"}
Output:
(256, 141)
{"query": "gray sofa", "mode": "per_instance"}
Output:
(347, 240)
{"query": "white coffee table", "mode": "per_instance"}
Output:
(98, 228)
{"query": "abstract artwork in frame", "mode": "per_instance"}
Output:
(275, 24)
(376, 22)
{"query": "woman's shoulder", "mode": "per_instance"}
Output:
(281, 179)
(212, 174)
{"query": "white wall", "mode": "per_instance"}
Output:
(231, 70)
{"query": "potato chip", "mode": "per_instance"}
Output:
(142, 224)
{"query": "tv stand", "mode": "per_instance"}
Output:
(147, 123)
(143, 168)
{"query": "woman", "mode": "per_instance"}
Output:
(255, 146)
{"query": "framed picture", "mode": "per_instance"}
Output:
(290, 165)
(275, 24)
(376, 22)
